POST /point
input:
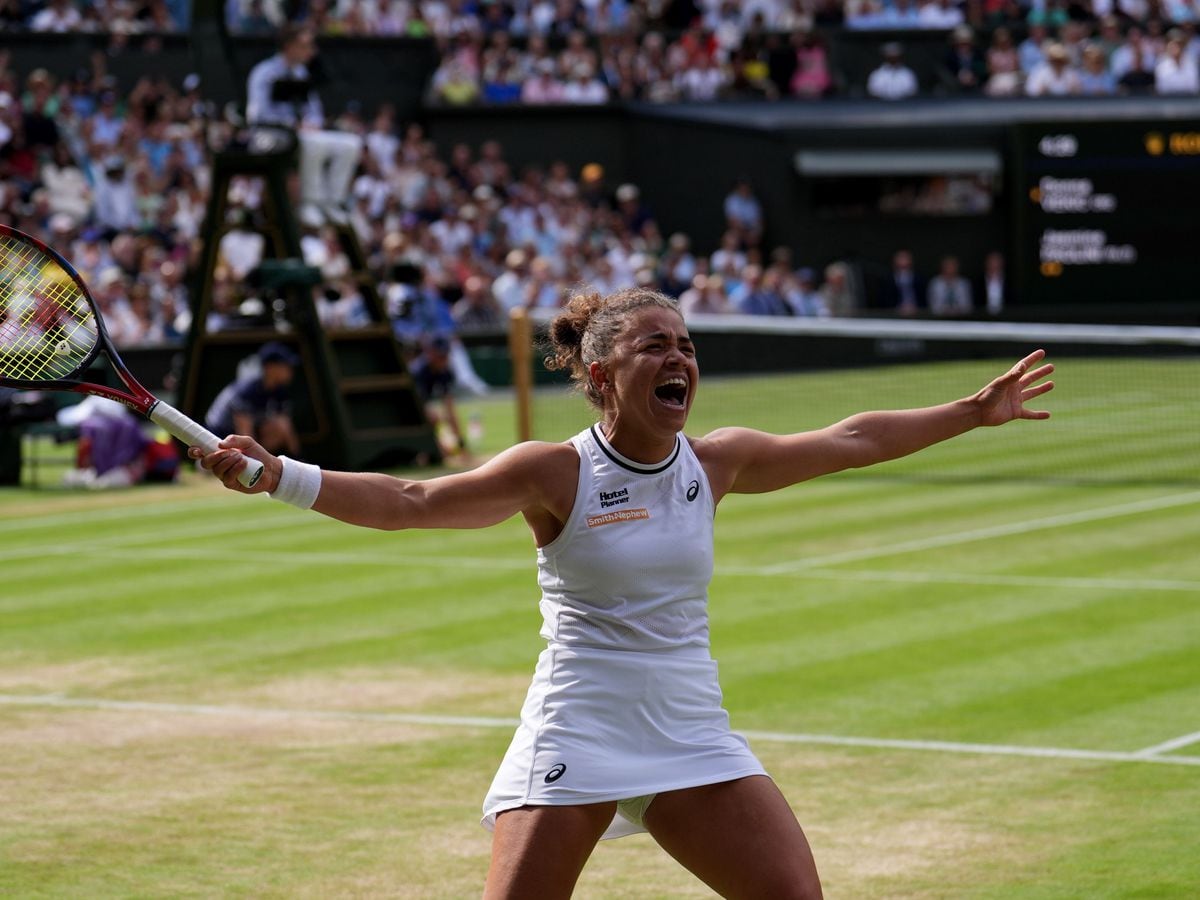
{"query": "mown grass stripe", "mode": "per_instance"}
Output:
(1004, 530)
(1063, 753)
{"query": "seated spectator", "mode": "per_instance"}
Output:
(341, 305)
(57, 16)
(1055, 77)
(67, 186)
(1176, 73)
(1122, 55)
(898, 14)
(382, 142)
(509, 286)
(631, 209)
(994, 286)
(1003, 66)
(939, 14)
(543, 289)
(677, 266)
(577, 53)
(477, 309)
(1094, 78)
(544, 86)
(653, 71)
(903, 289)
(1139, 75)
(242, 247)
(1181, 12)
(1109, 38)
(743, 213)
(949, 294)
(701, 299)
(810, 79)
(759, 294)
(837, 293)
(702, 79)
(965, 68)
(455, 83)
(583, 87)
(802, 296)
(893, 80)
(254, 17)
(503, 82)
(1051, 13)
(1032, 51)
(111, 291)
(116, 200)
(748, 73)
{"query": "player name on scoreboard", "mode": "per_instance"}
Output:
(1105, 209)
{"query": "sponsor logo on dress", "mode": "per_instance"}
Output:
(613, 498)
(693, 490)
(620, 515)
(556, 773)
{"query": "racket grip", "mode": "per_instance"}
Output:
(196, 435)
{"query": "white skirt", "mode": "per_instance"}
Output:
(601, 725)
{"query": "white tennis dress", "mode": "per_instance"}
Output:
(624, 701)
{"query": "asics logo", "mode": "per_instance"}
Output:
(556, 773)
(693, 491)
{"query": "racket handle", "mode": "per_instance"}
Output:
(195, 435)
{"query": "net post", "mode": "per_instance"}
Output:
(520, 352)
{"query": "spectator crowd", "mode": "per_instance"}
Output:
(119, 179)
(597, 51)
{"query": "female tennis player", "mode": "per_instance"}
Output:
(623, 729)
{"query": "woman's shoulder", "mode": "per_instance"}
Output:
(543, 458)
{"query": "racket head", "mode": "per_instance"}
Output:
(51, 330)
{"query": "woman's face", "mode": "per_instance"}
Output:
(651, 377)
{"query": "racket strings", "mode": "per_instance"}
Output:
(47, 325)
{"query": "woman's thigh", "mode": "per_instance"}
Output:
(539, 851)
(739, 837)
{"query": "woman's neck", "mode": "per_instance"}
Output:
(637, 446)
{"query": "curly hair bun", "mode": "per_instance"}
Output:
(585, 330)
(568, 328)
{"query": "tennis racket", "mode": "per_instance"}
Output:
(51, 332)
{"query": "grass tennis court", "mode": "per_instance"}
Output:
(966, 688)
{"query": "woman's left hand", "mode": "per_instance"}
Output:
(1004, 399)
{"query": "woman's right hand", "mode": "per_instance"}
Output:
(230, 458)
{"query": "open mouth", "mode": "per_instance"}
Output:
(673, 392)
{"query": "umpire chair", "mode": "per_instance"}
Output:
(354, 403)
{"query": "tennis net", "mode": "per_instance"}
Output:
(1124, 408)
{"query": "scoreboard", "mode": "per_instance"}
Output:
(1107, 213)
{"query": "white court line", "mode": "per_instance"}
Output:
(992, 531)
(981, 749)
(1173, 744)
(60, 702)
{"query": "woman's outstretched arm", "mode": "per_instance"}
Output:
(741, 460)
(523, 478)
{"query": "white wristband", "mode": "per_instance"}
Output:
(299, 483)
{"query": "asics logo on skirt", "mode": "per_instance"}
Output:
(556, 773)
